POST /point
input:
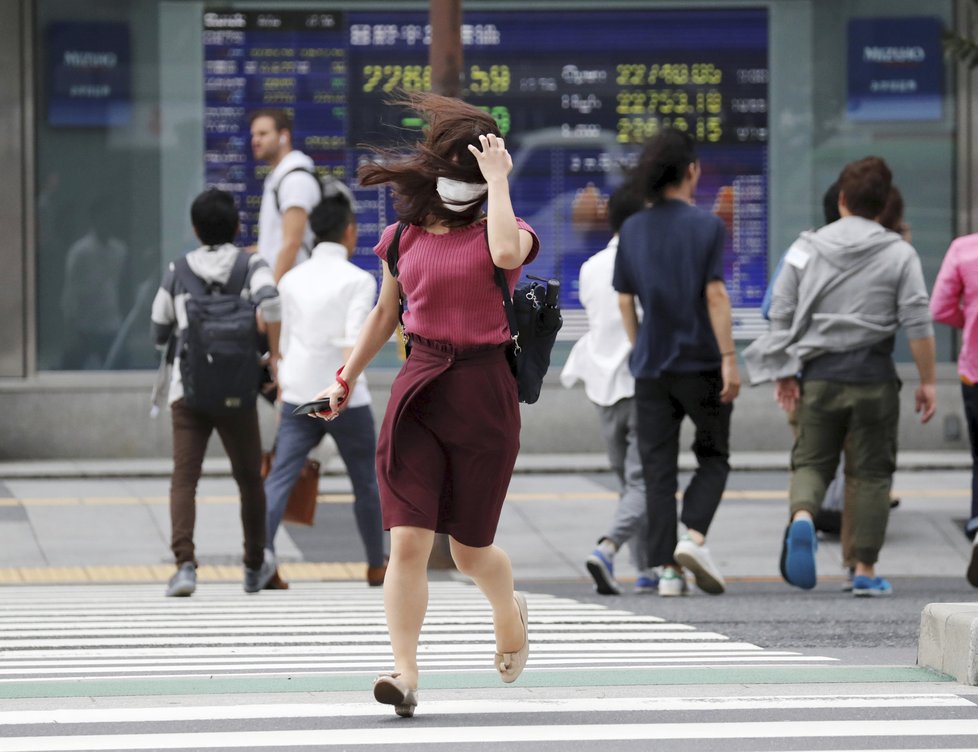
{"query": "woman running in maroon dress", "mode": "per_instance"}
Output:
(450, 436)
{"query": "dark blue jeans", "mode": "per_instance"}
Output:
(356, 440)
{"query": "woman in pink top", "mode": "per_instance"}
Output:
(955, 302)
(450, 436)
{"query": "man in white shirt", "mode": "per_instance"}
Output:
(600, 360)
(291, 190)
(325, 302)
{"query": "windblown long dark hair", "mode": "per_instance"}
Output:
(450, 126)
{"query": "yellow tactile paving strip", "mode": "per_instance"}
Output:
(345, 498)
(70, 501)
(295, 572)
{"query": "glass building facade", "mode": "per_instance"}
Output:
(123, 110)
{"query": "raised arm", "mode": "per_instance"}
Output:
(508, 244)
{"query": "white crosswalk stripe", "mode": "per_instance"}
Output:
(103, 641)
(105, 631)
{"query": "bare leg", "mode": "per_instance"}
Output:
(406, 596)
(490, 569)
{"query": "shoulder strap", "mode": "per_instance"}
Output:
(311, 173)
(188, 280)
(239, 274)
(393, 250)
(393, 253)
(514, 330)
(195, 285)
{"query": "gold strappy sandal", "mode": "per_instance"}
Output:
(510, 665)
(389, 690)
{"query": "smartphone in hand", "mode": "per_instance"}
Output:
(314, 406)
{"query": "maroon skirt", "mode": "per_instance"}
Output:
(448, 442)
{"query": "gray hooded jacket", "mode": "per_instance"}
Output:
(847, 286)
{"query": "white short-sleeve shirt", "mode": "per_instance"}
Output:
(298, 189)
(324, 306)
(600, 357)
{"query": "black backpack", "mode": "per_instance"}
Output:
(534, 319)
(219, 348)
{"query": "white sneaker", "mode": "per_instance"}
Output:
(672, 583)
(697, 560)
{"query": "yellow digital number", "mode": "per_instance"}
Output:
(414, 77)
(706, 74)
(676, 74)
(714, 102)
(681, 103)
(714, 129)
(393, 74)
(630, 74)
(631, 103)
(499, 79)
(372, 74)
(479, 81)
(636, 130)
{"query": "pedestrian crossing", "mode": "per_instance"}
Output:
(320, 629)
(121, 667)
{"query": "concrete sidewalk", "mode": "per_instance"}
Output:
(115, 526)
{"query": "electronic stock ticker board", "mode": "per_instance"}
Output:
(575, 93)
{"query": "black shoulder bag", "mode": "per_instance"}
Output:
(534, 319)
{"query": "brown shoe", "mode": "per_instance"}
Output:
(375, 575)
(390, 690)
(510, 665)
(276, 583)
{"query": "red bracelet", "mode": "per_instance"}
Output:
(342, 382)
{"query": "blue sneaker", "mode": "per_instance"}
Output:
(602, 569)
(870, 587)
(645, 584)
(798, 554)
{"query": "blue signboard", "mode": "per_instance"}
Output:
(896, 69)
(575, 100)
(88, 74)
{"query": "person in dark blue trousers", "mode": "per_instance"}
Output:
(325, 301)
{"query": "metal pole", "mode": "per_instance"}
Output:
(445, 51)
(445, 58)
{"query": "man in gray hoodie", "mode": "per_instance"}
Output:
(844, 291)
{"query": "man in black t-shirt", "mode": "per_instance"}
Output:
(670, 258)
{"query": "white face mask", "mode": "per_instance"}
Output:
(459, 196)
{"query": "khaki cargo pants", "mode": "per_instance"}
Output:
(862, 419)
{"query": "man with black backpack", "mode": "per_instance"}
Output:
(205, 310)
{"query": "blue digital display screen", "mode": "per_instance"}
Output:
(88, 70)
(575, 96)
(895, 69)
